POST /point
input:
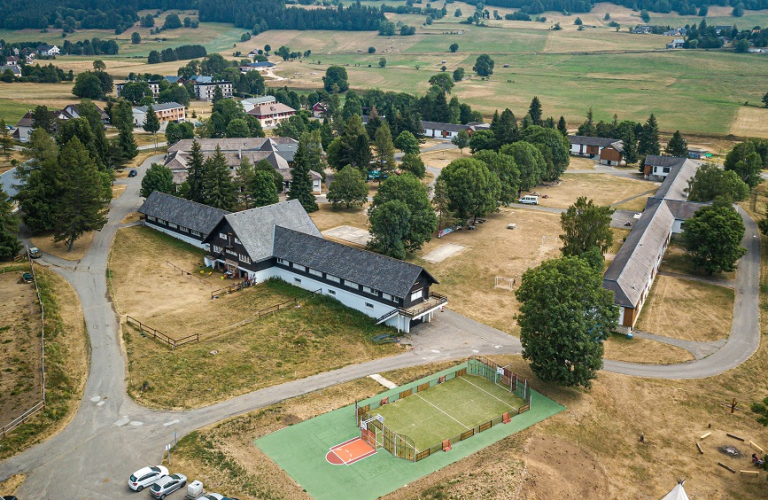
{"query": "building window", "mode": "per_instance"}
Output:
(332, 278)
(183, 229)
(665, 170)
(283, 261)
(299, 267)
(387, 296)
(369, 305)
(315, 272)
(222, 236)
(149, 217)
(237, 241)
(171, 224)
(196, 233)
(297, 280)
(331, 292)
(369, 290)
(352, 284)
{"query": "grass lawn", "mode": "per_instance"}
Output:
(328, 217)
(686, 309)
(677, 260)
(603, 189)
(265, 352)
(66, 360)
(60, 249)
(638, 350)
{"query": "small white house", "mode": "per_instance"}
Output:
(440, 130)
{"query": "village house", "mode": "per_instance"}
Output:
(261, 66)
(205, 88)
(657, 167)
(183, 219)
(319, 110)
(278, 151)
(166, 112)
(15, 70)
(249, 104)
(269, 115)
(73, 110)
(440, 130)
(47, 50)
(633, 270)
(12, 61)
(24, 127)
(677, 43)
(153, 86)
(608, 151)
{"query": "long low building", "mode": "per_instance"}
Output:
(607, 151)
(281, 241)
(632, 272)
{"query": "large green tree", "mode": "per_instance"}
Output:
(713, 238)
(157, 178)
(277, 177)
(390, 227)
(414, 164)
(244, 174)
(504, 128)
(335, 79)
(586, 226)
(472, 188)
(461, 140)
(484, 65)
(409, 190)
(301, 181)
(648, 143)
(534, 111)
(407, 142)
(385, 150)
(711, 182)
(152, 124)
(193, 187)
(505, 168)
(41, 182)
(84, 195)
(262, 189)
(348, 188)
(677, 145)
(554, 147)
(218, 187)
(530, 162)
(746, 162)
(9, 228)
(565, 315)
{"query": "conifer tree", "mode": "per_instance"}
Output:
(152, 124)
(9, 228)
(193, 187)
(385, 150)
(262, 189)
(562, 126)
(244, 175)
(301, 181)
(218, 188)
(677, 145)
(648, 143)
(535, 111)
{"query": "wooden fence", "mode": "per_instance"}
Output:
(157, 334)
(5, 429)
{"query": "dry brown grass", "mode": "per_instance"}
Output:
(145, 139)
(579, 163)
(636, 205)
(442, 157)
(59, 249)
(328, 217)
(118, 190)
(750, 122)
(53, 95)
(686, 309)
(10, 485)
(639, 350)
(142, 157)
(468, 277)
(227, 361)
(20, 323)
(603, 189)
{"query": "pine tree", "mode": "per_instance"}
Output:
(122, 118)
(562, 126)
(84, 194)
(244, 175)
(217, 95)
(152, 124)
(262, 189)
(504, 128)
(588, 128)
(193, 188)
(301, 181)
(9, 228)
(360, 154)
(648, 143)
(218, 188)
(40, 179)
(278, 178)
(535, 111)
(385, 150)
(6, 142)
(677, 145)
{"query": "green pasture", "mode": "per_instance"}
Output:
(300, 450)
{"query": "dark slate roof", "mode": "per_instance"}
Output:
(663, 161)
(385, 274)
(255, 227)
(160, 107)
(631, 269)
(681, 210)
(190, 214)
(600, 142)
(450, 127)
(675, 185)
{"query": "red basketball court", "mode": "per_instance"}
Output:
(349, 452)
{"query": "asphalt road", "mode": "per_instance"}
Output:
(7, 180)
(110, 436)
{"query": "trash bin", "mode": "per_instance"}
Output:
(630, 336)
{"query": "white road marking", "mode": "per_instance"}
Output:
(475, 351)
(176, 421)
(435, 351)
(95, 399)
(386, 383)
(123, 421)
(136, 423)
(100, 403)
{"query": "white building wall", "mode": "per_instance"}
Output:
(185, 239)
(677, 226)
(575, 149)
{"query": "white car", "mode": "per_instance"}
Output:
(167, 485)
(146, 477)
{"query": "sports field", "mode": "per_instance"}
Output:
(301, 450)
(449, 409)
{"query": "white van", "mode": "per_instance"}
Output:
(529, 200)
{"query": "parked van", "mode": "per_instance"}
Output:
(529, 200)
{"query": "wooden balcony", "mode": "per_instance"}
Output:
(434, 301)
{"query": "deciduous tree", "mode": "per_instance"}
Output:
(484, 65)
(409, 190)
(746, 162)
(407, 143)
(461, 140)
(472, 188)
(157, 178)
(413, 163)
(565, 315)
(390, 226)
(586, 226)
(505, 169)
(348, 188)
(713, 238)
(711, 182)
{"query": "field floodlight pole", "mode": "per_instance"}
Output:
(168, 449)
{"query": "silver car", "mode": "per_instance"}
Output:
(167, 485)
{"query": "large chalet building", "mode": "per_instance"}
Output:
(281, 241)
(607, 151)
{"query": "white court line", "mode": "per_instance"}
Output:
(438, 409)
(491, 395)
